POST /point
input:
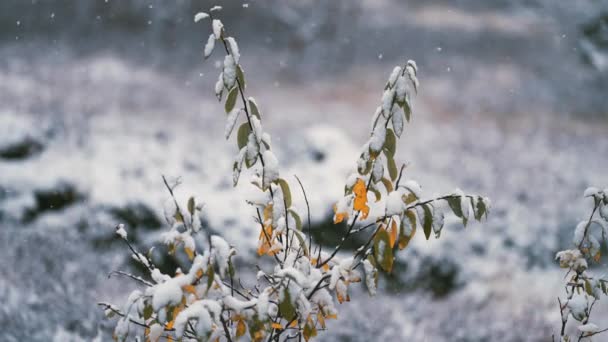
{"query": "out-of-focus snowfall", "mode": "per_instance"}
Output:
(99, 98)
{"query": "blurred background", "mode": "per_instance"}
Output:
(99, 98)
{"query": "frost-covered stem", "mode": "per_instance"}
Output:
(417, 204)
(145, 262)
(400, 174)
(143, 325)
(170, 189)
(308, 214)
(226, 331)
(564, 319)
(595, 333)
(595, 207)
(586, 320)
(136, 278)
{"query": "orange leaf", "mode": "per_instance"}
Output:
(393, 234)
(264, 244)
(339, 217)
(360, 204)
(176, 311)
(276, 325)
(240, 328)
(190, 289)
(597, 257)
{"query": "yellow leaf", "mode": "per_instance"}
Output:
(268, 212)
(258, 335)
(240, 328)
(331, 316)
(321, 319)
(176, 311)
(276, 325)
(293, 324)
(189, 252)
(405, 240)
(393, 234)
(597, 257)
(360, 204)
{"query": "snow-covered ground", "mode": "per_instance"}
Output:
(84, 140)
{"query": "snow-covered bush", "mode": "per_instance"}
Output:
(294, 298)
(583, 289)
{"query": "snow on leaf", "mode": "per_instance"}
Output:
(229, 72)
(209, 46)
(200, 16)
(120, 231)
(271, 168)
(393, 77)
(219, 86)
(217, 28)
(371, 276)
(234, 49)
(397, 120)
(588, 328)
(394, 204)
(230, 123)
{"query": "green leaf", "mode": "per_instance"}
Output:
(377, 193)
(407, 110)
(286, 192)
(210, 276)
(170, 309)
(296, 218)
(428, 220)
(455, 203)
(243, 135)
(253, 106)
(178, 216)
(191, 205)
(387, 184)
(231, 269)
(588, 288)
(481, 209)
(148, 312)
(240, 76)
(383, 251)
(286, 308)
(390, 144)
(231, 99)
(392, 168)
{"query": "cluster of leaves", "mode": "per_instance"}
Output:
(296, 297)
(582, 288)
